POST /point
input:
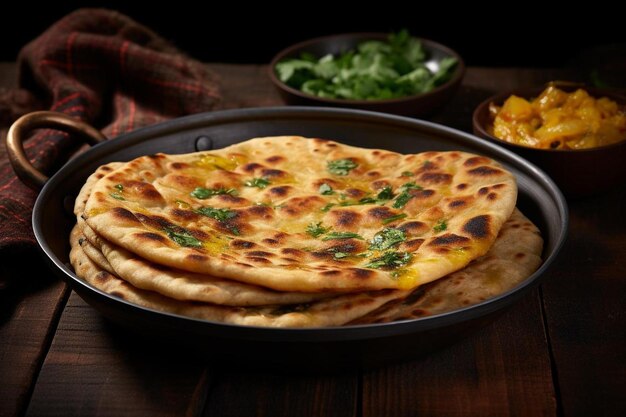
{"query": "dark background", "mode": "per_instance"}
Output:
(502, 34)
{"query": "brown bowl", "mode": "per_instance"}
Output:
(579, 173)
(416, 105)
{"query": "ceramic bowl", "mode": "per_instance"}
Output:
(579, 173)
(416, 105)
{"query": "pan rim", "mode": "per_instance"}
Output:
(351, 332)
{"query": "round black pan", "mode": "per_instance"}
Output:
(317, 348)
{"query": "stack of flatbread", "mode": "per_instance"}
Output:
(296, 232)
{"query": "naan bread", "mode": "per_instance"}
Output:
(514, 256)
(334, 311)
(449, 207)
(178, 284)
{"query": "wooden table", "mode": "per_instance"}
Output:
(559, 352)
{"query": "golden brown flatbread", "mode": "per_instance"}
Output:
(177, 284)
(514, 256)
(310, 215)
(333, 311)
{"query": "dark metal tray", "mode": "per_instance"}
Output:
(539, 199)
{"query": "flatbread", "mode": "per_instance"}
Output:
(455, 204)
(514, 256)
(177, 284)
(334, 311)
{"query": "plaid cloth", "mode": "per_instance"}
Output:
(101, 67)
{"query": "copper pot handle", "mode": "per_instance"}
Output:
(25, 171)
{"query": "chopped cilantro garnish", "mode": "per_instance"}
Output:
(427, 164)
(402, 199)
(385, 194)
(182, 237)
(341, 235)
(118, 195)
(407, 174)
(405, 194)
(341, 166)
(410, 186)
(257, 182)
(441, 226)
(394, 218)
(202, 193)
(390, 260)
(221, 215)
(328, 207)
(326, 189)
(373, 70)
(341, 255)
(387, 238)
(316, 229)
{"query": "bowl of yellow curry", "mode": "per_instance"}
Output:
(577, 134)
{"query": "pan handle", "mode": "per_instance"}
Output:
(38, 120)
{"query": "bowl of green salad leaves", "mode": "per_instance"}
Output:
(392, 73)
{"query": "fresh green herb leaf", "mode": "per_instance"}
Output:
(410, 186)
(402, 199)
(390, 260)
(341, 255)
(118, 195)
(328, 207)
(374, 70)
(326, 189)
(341, 235)
(405, 194)
(316, 229)
(385, 194)
(394, 218)
(182, 237)
(365, 200)
(407, 174)
(221, 215)
(440, 226)
(257, 182)
(387, 238)
(427, 164)
(341, 166)
(202, 193)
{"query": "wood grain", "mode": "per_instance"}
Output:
(504, 370)
(585, 303)
(510, 368)
(94, 368)
(28, 318)
(274, 395)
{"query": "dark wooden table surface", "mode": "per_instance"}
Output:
(561, 351)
